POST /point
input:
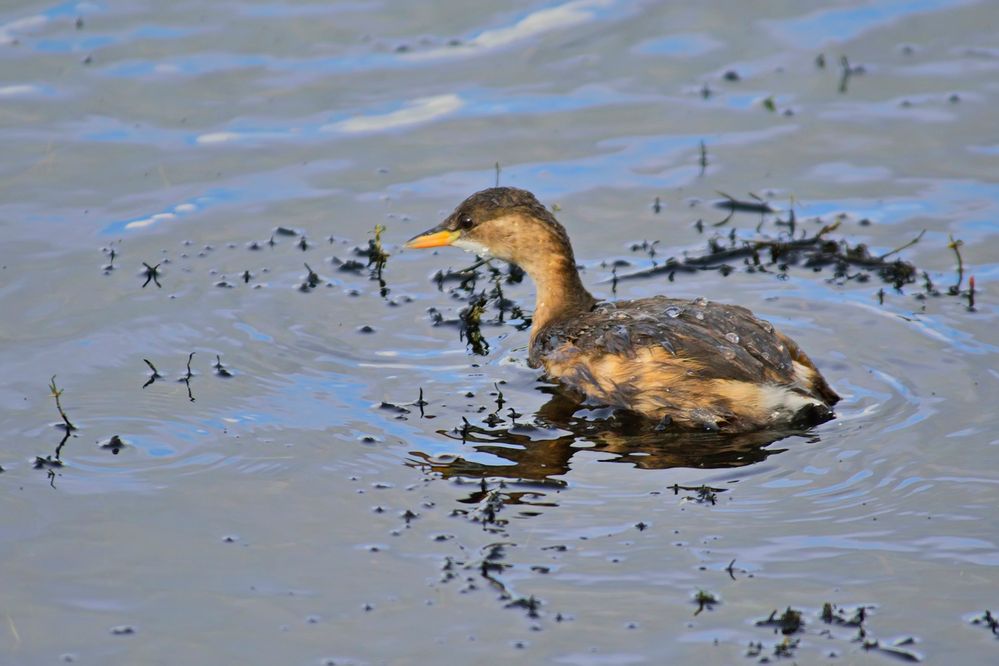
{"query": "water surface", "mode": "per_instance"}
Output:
(305, 510)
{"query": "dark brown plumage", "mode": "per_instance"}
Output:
(693, 364)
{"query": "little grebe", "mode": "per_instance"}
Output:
(690, 363)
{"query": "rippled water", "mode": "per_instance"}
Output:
(308, 508)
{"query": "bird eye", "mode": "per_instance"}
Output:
(465, 222)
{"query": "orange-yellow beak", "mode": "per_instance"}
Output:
(433, 238)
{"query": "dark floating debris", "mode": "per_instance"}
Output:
(220, 370)
(151, 273)
(155, 373)
(311, 280)
(758, 205)
(989, 621)
(813, 252)
(303, 244)
(283, 231)
(349, 265)
(704, 599)
(48, 462)
(531, 604)
(421, 403)
(703, 494)
(187, 378)
(789, 622)
(704, 159)
(377, 258)
(731, 75)
(848, 70)
(114, 445)
(109, 267)
(471, 318)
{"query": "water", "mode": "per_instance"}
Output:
(265, 521)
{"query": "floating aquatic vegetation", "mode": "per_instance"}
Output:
(151, 273)
(705, 599)
(155, 373)
(56, 393)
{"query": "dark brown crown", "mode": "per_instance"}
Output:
(496, 202)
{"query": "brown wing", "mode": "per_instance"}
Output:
(698, 363)
(727, 341)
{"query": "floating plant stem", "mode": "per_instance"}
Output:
(844, 80)
(902, 247)
(704, 599)
(971, 294)
(733, 204)
(57, 393)
(704, 159)
(220, 369)
(955, 244)
(153, 377)
(378, 257)
(152, 273)
(471, 318)
(187, 378)
(421, 403)
(311, 280)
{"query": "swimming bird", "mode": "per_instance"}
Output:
(690, 364)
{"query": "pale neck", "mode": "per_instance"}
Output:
(560, 292)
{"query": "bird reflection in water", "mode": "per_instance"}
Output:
(539, 455)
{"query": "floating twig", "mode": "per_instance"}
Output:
(421, 403)
(110, 265)
(955, 244)
(219, 368)
(848, 70)
(989, 621)
(187, 378)
(903, 247)
(731, 569)
(155, 373)
(378, 257)
(311, 280)
(704, 159)
(152, 273)
(733, 204)
(57, 394)
(971, 294)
